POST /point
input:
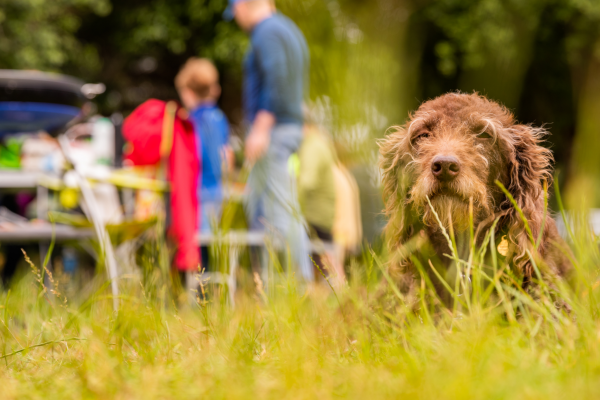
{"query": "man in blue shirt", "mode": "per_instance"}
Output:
(275, 78)
(199, 90)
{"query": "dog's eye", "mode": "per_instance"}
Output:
(420, 136)
(484, 135)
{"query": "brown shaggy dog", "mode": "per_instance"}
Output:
(452, 151)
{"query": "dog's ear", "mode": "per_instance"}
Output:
(529, 165)
(394, 155)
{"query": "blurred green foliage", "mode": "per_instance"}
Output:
(41, 34)
(142, 45)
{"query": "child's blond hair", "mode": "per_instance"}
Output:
(199, 75)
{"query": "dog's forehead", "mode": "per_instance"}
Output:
(458, 109)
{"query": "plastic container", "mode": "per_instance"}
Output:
(103, 141)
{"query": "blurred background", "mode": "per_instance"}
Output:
(372, 61)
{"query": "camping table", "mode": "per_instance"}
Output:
(16, 180)
(237, 240)
(34, 232)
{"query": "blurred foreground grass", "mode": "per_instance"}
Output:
(303, 345)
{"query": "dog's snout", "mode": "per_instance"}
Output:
(445, 168)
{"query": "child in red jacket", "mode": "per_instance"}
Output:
(151, 138)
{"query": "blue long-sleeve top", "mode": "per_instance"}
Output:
(276, 70)
(212, 133)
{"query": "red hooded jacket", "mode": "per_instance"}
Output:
(143, 130)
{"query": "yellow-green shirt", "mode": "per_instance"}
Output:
(316, 185)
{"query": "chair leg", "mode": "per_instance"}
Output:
(266, 269)
(44, 249)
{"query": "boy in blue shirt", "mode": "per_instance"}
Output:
(199, 90)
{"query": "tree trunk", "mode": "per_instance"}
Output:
(583, 190)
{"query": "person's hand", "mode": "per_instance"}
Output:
(228, 158)
(257, 144)
(259, 138)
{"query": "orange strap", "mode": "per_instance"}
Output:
(166, 141)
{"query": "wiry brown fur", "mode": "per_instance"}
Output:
(508, 152)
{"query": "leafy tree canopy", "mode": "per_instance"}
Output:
(41, 34)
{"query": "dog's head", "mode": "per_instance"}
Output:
(451, 151)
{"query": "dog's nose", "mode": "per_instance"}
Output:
(445, 168)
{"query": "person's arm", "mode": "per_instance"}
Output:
(270, 51)
(227, 155)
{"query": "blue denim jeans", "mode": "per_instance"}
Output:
(272, 200)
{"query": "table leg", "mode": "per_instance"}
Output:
(42, 202)
(267, 269)
(231, 280)
(129, 202)
(42, 214)
(191, 286)
(44, 249)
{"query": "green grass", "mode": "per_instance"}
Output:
(495, 342)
